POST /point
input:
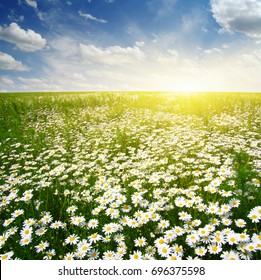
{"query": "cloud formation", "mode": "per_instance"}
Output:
(114, 55)
(90, 17)
(240, 16)
(31, 3)
(7, 62)
(28, 41)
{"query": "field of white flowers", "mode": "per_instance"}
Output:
(119, 176)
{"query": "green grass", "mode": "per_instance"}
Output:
(174, 152)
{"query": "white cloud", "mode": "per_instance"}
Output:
(115, 55)
(14, 17)
(28, 41)
(212, 51)
(36, 84)
(31, 3)
(238, 16)
(139, 44)
(65, 46)
(90, 17)
(7, 62)
(6, 81)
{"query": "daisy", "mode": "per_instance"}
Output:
(8, 222)
(93, 223)
(3, 238)
(174, 257)
(214, 249)
(200, 251)
(226, 193)
(29, 222)
(150, 250)
(41, 247)
(71, 209)
(226, 221)
(133, 223)
(121, 251)
(160, 242)
(137, 255)
(108, 255)
(178, 230)
(148, 257)
(49, 254)
(243, 237)
(255, 214)
(163, 224)
(72, 239)
(140, 242)
(119, 237)
(212, 209)
(201, 207)
(184, 216)
(106, 239)
(69, 257)
(80, 254)
(17, 213)
(170, 236)
(76, 220)
(210, 228)
(93, 254)
(227, 231)
(177, 249)
(47, 218)
(254, 217)
(225, 208)
(143, 220)
(93, 238)
(234, 202)
(155, 217)
(215, 222)
(203, 232)
(256, 238)
(12, 231)
(25, 241)
(6, 256)
(240, 223)
(196, 223)
(218, 238)
(126, 208)
(124, 220)
(138, 214)
(250, 247)
(83, 246)
(26, 231)
(192, 239)
(164, 250)
(231, 255)
(246, 255)
(232, 238)
(108, 229)
(56, 225)
(41, 231)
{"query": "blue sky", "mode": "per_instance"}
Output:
(166, 45)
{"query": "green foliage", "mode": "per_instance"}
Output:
(150, 157)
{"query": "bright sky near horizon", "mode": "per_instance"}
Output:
(100, 45)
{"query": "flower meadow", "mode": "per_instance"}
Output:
(120, 176)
